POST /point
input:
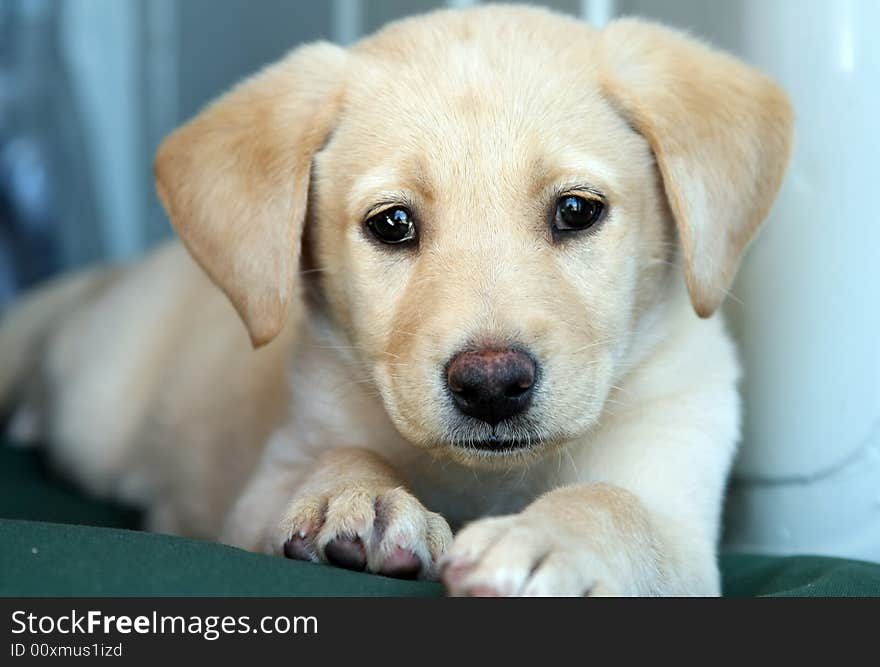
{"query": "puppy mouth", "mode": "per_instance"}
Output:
(499, 445)
(515, 438)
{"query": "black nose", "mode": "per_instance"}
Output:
(491, 385)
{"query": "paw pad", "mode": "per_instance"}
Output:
(347, 552)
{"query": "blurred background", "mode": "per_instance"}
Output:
(89, 87)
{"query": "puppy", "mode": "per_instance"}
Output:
(478, 252)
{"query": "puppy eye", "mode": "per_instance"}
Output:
(575, 213)
(393, 226)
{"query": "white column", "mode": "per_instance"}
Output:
(102, 41)
(348, 20)
(808, 478)
(598, 12)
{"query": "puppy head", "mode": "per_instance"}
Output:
(499, 198)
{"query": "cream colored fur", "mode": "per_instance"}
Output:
(146, 386)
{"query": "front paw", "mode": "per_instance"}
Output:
(386, 531)
(527, 555)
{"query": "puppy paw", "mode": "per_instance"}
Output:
(385, 531)
(525, 555)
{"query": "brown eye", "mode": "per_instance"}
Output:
(575, 213)
(392, 226)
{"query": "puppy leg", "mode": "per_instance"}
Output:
(350, 508)
(594, 540)
(645, 524)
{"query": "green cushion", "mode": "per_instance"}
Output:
(798, 576)
(51, 559)
(45, 552)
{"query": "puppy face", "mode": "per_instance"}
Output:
(531, 221)
(498, 197)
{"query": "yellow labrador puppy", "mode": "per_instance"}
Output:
(479, 252)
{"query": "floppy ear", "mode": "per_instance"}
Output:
(721, 133)
(235, 180)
